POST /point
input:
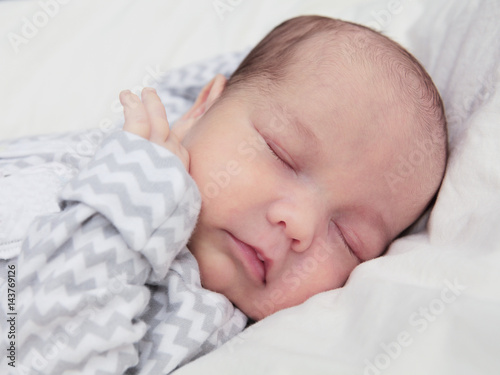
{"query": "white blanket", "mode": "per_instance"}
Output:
(432, 304)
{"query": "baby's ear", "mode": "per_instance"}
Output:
(206, 97)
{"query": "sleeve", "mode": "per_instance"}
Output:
(83, 270)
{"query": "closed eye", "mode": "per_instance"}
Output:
(276, 156)
(344, 241)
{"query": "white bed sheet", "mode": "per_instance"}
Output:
(432, 305)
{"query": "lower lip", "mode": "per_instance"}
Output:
(252, 263)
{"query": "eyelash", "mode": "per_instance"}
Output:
(277, 156)
(341, 235)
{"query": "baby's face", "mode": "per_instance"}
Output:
(294, 191)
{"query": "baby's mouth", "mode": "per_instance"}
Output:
(252, 259)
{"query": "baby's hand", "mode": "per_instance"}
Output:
(148, 119)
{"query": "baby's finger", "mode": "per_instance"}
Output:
(157, 116)
(136, 118)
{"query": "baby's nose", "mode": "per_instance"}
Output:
(300, 220)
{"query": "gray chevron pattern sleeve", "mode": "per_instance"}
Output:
(107, 285)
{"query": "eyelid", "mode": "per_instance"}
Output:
(342, 237)
(275, 153)
(272, 146)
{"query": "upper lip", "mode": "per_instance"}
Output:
(261, 255)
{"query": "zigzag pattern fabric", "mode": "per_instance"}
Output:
(107, 285)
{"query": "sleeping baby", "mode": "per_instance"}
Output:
(326, 143)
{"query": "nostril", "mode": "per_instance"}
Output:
(296, 245)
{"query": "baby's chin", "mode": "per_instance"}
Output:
(216, 271)
(219, 274)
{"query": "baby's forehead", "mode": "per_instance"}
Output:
(319, 119)
(323, 84)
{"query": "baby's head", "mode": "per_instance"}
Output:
(326, 143)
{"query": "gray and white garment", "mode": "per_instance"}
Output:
(108, 285)
(33, 170)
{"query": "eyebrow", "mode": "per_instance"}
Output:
(302, 129)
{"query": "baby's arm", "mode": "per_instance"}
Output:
(83, 271)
